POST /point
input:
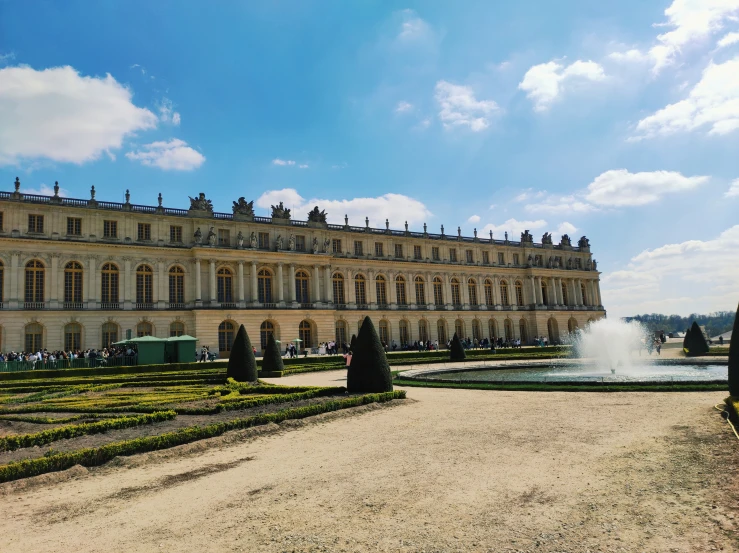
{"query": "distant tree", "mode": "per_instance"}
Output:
(368, 371)
(456, 352)
(242, 366)
(271, 358)
(734, 358)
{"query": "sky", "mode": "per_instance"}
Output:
(617, 120)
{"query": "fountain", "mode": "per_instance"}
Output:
(611, 344)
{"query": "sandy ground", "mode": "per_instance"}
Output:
(446, 470)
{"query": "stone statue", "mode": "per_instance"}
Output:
(506, 236)
(317, 216)
(595, 265)
(569, 263)
(280, 212)
(201, 203)
(279, 242)
(550, 262)
(253, 240)
(240, 239)
(198, 236)
(588, 265)
(583, 242)
(315, 245)
(526, 236)
(242, 207)
(565, 241)
(212, 238)
(531, 260)
(546, 238)
(326, 245)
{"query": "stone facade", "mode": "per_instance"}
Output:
(80, 273)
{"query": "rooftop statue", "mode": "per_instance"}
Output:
(565, 241)
(317, 216)
(546, 238)
(242, 207)
(280, 211)
(583, 242)
(526, 236)
(201, 203)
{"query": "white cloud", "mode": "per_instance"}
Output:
(403, 106)
(395, 207)
(303, 166)
(673, 278)
(343, 165)
(514, 228)
(423, 124)
(618, 187)
(728, 40)
(566, 228)
(493, 206)
(167, 113)
(629, 56)
(529, 194)
(413, 28)
(459, 107)
(543, 83)
(561, 204)
(474, 219)
(174, 155)
(5, 58)
(283, 162)
(713, 102)
(692, 21)
(59, 115)
(733, 191)
(45, 190)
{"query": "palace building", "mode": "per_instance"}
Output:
(78, 274)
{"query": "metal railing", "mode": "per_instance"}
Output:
(60, 364)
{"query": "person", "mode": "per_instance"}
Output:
(658, 346)
(720, 340)
(203, 354)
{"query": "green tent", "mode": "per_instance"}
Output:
(151, 350)
(181, 349)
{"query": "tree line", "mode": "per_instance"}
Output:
(715, 323)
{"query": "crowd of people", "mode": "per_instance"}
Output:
(59, 358)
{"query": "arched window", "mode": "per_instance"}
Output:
(176, 287)
(553, 331)
(508, 329)
(544, 293)
(338, 285)
(360, 290)
(404, 333)
(438, 293)
(564, 294)
(34, 334)
(420, 291)
(226, 334)
(266, 328)
(423, 331)
(176, 328)
(476, 330)
(2, 274)
(472, 289)
(73, 285)
(109, 286)
(493, 329)
(301, 287)
(522, 332)
(305, 333)
(225, 286)
(72, 337)
(572, 325)
(456, 300)
(583, 292)
(34, 283)
(381, 289)
(441, 332)
(144, 328)
(144, 285)
(504, 293)
(384, 332)
(109, 333)
(400, 290)
(489, 299)
(341, 333)
(459, 328)
(519, 292)
(264, 288)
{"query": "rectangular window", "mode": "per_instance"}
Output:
(74, 226)
(300, 243)
(470, 256)
(399, 250)
(336, 245)
(417, 252)
(264, 240)
(224, 237)
(516, 259)
(110, 229)
(378, 249)
(144, 232)
(1, 221)
(486, 258)
(358, 247)
(175, 234)
(501, 258)
(435, 253)
(453, 255)
(36, 223)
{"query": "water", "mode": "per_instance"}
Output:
(613, 345)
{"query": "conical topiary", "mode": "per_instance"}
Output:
(271, 358)
(456, 352)
(242, 366)
(368, 371)
(686, 341)
(696, 342)
(734, 358)
(353, 342)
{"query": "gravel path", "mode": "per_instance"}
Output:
(449, 470)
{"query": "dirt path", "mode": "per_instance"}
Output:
(450, 470)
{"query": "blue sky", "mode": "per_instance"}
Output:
(615, 120)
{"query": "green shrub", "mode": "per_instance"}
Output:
(353, 343)
(271, 359)
(241, 363)
(734, 358)
(456, 352)
(694, 342)
(46, 374)
(368, 371)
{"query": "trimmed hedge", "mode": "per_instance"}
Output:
(368, 371)
(271, 359)
(734, 358)
(241, 363)
(100, 455)
(694, 342)
(47, 420)
(100, 371)
(10, 443)
(456, 351)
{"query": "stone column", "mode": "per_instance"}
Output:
(161, 289)
(351, 294)
(212, 281)
(371, 291)
(328, 285)
(534, 296)
(54, 288)
(392, 296)
(291, 284)
(578, 295)
(254, 291)
(280, 284)
(92, 295)
(448, 290)
(198, 284)
(597, 292)
(496, 290)
(129, 296)
(464, 293)
(241, 284)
